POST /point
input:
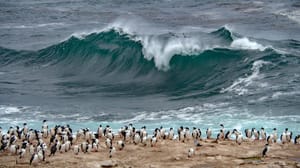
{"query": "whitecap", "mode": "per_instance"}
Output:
(32, 26)
(278, 94)
(9, 109)
(162, 51)
(245, 44)
(293, 15)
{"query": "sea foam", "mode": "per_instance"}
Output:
(245, 44)
(240, 85)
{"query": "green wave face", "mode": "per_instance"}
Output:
(113, 61)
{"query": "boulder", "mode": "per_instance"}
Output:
(108, 163)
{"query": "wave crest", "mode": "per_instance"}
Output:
(162, 47)
(245, 44)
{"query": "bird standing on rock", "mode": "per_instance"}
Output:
(297, 139)
(266, 149)
(208, 133)
(34, 159)
(120, 144)
(275, 136)
(263, 133)
(53, 149)
(191, 152)
(239, 137)
(112, 150)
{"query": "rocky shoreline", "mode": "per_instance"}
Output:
(165, 153)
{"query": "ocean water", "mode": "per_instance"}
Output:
(153, 63)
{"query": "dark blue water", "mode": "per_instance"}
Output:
(164, 62)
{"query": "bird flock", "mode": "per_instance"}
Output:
(35, 145)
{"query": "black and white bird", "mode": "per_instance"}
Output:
(143, 133)
(238, 136)
(45, 129)
(196, 134)
(120, 145)
(275, 136)
(153, 141)
(13, 139)
(62, 148)
(181, 134)
(53, 149)
(283, 138)
(137, 139)
(255, 134)
(87, 133)
(248, 133)
(228, 135)
(162, 132)
(41, 154)
(289, 135)
(191, 152)
(95, 146)
(22, 151)
(221, 135)
(84, 146)
(112, 150)
(187, 134)
(34, 159)
(10, 131)
(156, 133)
(4, 143)
(208, 133)
(270, 139)
(108, 142)
(171, 134)
(13, 149)
(263, 133)
(76, 149)
(100, 131)
(145, 140)
(68, 145)
(297, 139)
(265, 150)
(199, 133)
(25, 129)
(19, 132)
(109, 134)
(89, 148)
(106, 129)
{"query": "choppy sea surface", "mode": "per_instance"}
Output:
(160, 62)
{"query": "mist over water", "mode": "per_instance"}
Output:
(180, 63)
